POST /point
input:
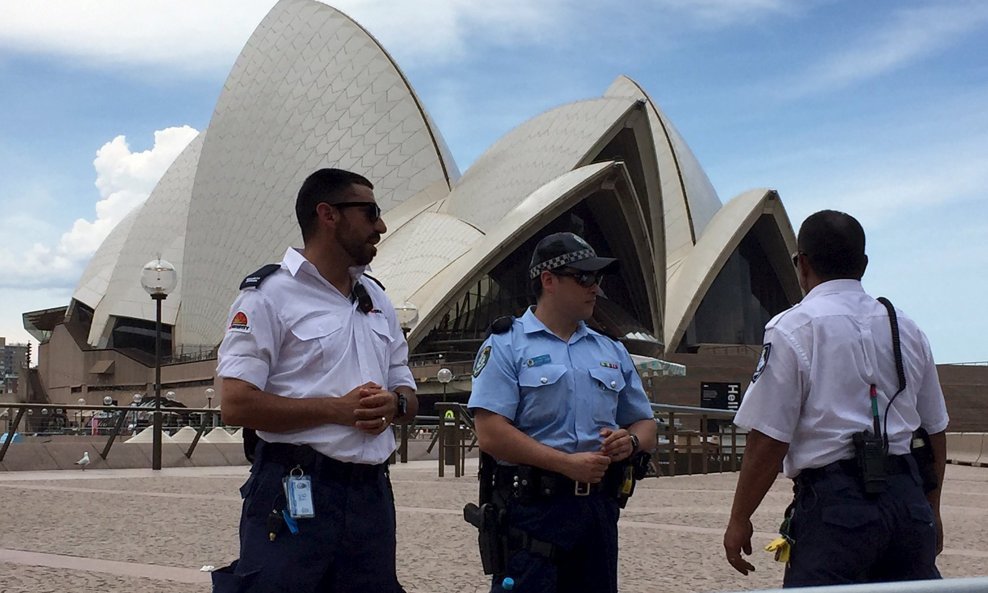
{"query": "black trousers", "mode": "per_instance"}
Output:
(843, 536)
(583, 528)
(348, 546)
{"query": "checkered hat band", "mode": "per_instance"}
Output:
(559, 261)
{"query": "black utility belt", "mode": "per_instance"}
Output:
(529, 482)
(316, 464)
(894, 464)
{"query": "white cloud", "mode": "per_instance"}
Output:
(910, 35)
(724, 13)
(124, 179)
(191, 35)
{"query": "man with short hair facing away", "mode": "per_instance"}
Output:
(826, 403)
(560, 407)
(315, 361)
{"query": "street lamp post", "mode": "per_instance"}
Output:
(445, 376)
(79, 414)
(209, 404)
(136, 403)
(158, 278)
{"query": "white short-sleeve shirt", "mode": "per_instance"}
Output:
(297, 336)
(811, 388)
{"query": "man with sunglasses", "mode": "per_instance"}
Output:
(561, 408)
(314, 359)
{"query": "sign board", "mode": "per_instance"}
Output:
(720, 396)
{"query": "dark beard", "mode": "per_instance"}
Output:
(359, 250)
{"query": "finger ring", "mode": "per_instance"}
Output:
(384, 420)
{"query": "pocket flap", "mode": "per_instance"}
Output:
(851, 516)
(543, 375)
(316, 327)
(608, 378)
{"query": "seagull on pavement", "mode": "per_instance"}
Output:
(84, 461)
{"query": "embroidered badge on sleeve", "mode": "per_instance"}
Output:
(481, 361)
(762, 362)
(240, 323)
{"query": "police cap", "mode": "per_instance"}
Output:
(567, 250)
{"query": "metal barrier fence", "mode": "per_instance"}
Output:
(697, 440)
(689, 440)
(966, 585)
(90, 418)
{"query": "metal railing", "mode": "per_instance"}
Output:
(454, 430)
(965, 585)
(117, 415)
(686, 441)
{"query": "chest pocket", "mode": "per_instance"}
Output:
(543, 394)
(608, 385)
(317, 337)
(379, 325)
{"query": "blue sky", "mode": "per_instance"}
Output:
(876, 108)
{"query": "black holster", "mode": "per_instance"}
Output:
(922, 451)
(489, 520)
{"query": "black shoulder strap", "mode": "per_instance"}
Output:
(896, 345)
(376, 281)
(254, 279)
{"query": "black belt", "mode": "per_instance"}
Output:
(521, 481)
(894, 464)
(315, 463)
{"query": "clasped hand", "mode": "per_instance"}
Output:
(591, 466)
(373, 407)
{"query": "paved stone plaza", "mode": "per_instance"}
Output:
(150, 532)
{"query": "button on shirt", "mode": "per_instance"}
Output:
(559, 393)
(297, 336)
(812, 387)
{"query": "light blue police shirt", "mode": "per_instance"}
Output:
(559, 393)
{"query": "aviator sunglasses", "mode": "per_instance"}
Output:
(584, 279)
(371, 209)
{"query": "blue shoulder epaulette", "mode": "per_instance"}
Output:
(254, 279)
(501, 325)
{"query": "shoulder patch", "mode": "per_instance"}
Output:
(762, 361)
(482, 357)
(254, 279)
(239, 323)
(501, 325)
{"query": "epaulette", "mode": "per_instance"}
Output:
(501, 325)
(254, 279)
(376, 281)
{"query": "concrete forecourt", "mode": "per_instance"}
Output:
(140, 531)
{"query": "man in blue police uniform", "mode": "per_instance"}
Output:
(558, 405)
(835, 401)
(315, 361)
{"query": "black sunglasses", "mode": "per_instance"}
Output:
(371, 209)
(584, 279)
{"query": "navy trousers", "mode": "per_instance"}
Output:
(843, 536)
(584, 528)
(348, 546)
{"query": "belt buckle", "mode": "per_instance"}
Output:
(581, 488)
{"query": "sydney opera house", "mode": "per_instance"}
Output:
(313, 89)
